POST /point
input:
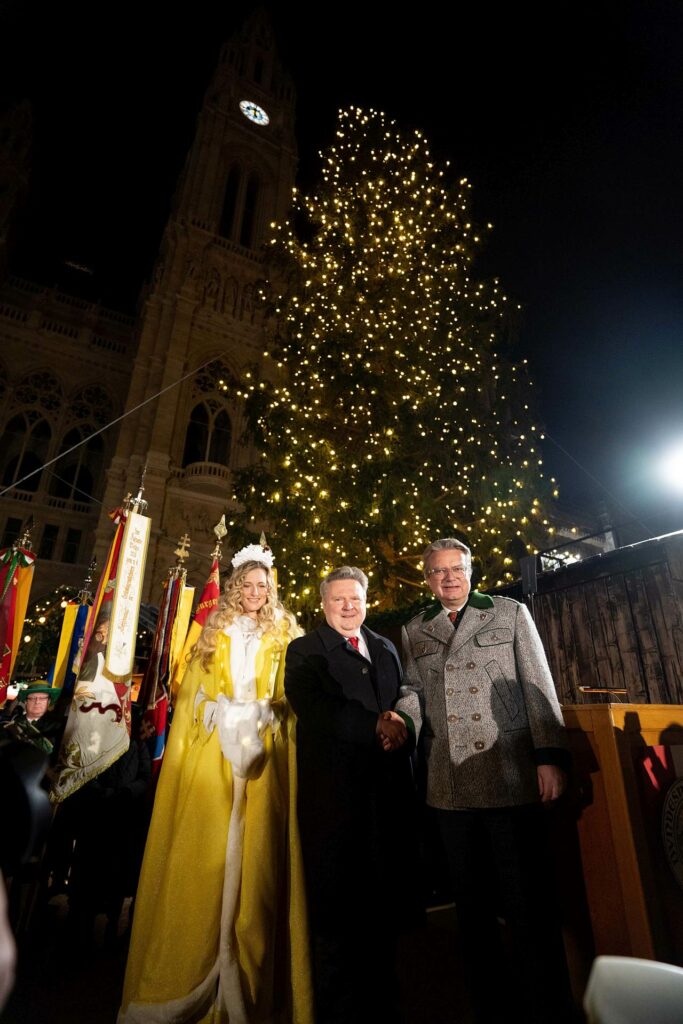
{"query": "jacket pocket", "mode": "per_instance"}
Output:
(507, 693)
(426, 648)
(493, 637)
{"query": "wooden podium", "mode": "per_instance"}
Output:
(619, 834)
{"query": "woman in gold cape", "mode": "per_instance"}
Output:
(219, 933)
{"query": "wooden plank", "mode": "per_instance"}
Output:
(673, 549)
(627, 640)
(673, 545)
(611, 670)
(556, 650)
(654, 721)
(665, 618)
(572, 678)
(583, 635)
(653, 670)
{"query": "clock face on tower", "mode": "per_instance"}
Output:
(254, 112)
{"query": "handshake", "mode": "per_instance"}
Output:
(391, 731)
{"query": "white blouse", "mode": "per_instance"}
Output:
(245, 636)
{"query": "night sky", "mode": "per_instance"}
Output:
(565, 117)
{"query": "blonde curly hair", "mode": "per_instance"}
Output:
(272, 617)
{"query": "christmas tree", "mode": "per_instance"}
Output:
(389, 413)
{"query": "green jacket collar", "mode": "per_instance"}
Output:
(475, 600)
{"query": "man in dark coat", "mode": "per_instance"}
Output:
(354, 801)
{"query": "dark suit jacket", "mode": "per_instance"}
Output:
(354, 800)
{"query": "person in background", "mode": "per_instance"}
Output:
(29, 718)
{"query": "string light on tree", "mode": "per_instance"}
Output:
(392, 411)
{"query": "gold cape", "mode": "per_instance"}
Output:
(177, 917)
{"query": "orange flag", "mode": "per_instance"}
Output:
(16, 575)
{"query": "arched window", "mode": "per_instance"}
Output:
(92, 404)
(39, 388)
(209, 433)
(197, 436)
(26, 442)
(227, 224)
(249, 211)
(208, 437)
(221, 435)
(75, 476)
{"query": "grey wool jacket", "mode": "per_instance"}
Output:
(483, 702)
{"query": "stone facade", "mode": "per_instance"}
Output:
(200, 309)
(64, 374)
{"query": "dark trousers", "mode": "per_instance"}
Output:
(354, 975)
(499, 867)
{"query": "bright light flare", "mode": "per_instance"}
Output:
(671, 468)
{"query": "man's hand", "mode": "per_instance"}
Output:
(551, 782)
(391, 731)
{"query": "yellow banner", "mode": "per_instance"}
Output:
(68, 623)
(24, 581)
(179, 636)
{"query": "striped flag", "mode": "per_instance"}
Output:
(16, 575)
(62, 675)
(154, 692)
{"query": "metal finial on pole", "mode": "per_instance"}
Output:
(25, 540)
(220, 530)
(182, 553)
(85, 593)
(139, 504)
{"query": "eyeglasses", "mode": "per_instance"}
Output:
(440, 571)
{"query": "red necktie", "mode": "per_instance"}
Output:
(453, 616)
(353, 640)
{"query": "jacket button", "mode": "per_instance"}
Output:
(470, 664)
(474, 689)
(476, 718)
(479, 745)
(364, 671)
(449, 691)
(452, 718)
(449, 666)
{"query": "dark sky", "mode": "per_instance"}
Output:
(566, 117)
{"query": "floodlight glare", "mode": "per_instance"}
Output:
(671, 467)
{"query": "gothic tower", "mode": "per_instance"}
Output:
(201, 309)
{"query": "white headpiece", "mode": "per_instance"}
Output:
(253, 553)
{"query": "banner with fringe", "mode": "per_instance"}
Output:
(98, 727)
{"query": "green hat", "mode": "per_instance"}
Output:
(39, 686)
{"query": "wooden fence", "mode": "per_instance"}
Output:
(616, 620)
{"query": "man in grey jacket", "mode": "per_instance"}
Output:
(481, 696)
